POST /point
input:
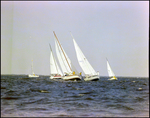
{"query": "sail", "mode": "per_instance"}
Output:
(53, 65)
(63, 59)
(83, 62)
(74, 69)
(110, 72)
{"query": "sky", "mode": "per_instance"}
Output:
(117, 30)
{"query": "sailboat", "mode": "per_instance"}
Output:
(90, 73)
(32, 75)
(65, 62)
(54, 68)
(110, 72)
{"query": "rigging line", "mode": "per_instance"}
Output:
(106, 59)
(71, 62)
(58, 49)
(62, 50)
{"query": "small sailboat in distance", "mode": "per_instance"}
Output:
(32, 75)
(110, 72)
(54, 68)
(90, 73)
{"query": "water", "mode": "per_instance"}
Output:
(42, 97)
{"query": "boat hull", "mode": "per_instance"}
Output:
(33, 76)
(113, 79)
(71, 77)
(91, 78)
(56, 77)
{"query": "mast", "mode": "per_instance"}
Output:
(54, 59)
(62, 50)
(32, 67)
(106, 59)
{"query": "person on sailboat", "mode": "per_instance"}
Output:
(66, 73)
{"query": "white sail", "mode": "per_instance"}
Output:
(74, 69)
(65, 62)
(63, 59)
(83, 62)
(32, 75)
(110, 72)
(54, 68)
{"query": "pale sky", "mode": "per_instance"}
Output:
(117, 30)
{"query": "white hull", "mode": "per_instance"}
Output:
(71, 77)
(91, 78)
(52, 77)
(33, 76)
(113, 79)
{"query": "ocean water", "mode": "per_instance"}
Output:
(41, 97)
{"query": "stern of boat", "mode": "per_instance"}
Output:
(72, 77)
(91, 78)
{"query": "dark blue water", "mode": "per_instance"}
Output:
(41, 97)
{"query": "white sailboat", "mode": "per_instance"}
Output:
(54, 68)
(110, 72)
(32, 75)
(90, 73)
(65, 62)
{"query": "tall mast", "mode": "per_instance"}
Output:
(62, 50)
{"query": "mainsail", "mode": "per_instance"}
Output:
(63, 59)
(54, 68)
(83, 62)
(110, 72)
